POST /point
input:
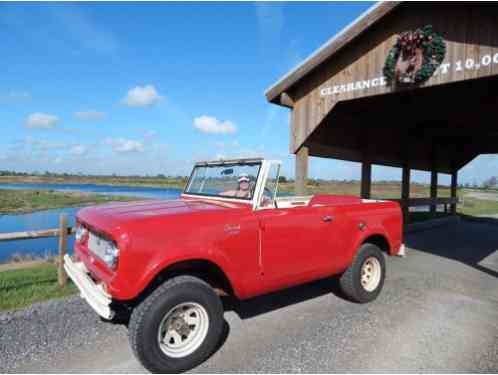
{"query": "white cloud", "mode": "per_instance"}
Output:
(142, 96)
(212, 125)
(90, 115)
(78, 150)
(41, 120)
(123, 145)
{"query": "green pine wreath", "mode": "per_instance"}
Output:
(434, 50)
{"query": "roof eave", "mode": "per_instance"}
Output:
(332, 46)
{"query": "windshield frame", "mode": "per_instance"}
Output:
(225, 164)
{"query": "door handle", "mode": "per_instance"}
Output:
(328, 218)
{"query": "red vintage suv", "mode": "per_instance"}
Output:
(165, 264)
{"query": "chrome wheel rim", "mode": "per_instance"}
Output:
(183, 329)
(371, 272)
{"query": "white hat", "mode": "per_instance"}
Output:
(243, 177)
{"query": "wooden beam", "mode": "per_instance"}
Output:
(405, 192)
(63, 229)
(366, 179)
(454, 184)
(433, 190)
(33, 234)
(302, 160)
(286, 100)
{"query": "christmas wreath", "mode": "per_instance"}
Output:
(415, 56)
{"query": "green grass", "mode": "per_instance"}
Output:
(21, 288)
(474, 207)
(470, 207)
(387, 189)
(22, 201)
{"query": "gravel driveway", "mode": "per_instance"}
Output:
(438, 312)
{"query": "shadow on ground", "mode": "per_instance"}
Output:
(473, 241)
(287, 297)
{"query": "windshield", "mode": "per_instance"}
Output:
(227, 180)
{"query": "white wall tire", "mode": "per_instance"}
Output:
(177, 327)
(363, 281)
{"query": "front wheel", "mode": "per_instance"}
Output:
(364, 279)
(178, 326)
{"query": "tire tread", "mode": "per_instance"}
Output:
(348, 279)
(140, 312)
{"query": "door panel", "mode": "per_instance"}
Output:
(296, 243)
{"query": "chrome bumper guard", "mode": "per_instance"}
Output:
(93, 293)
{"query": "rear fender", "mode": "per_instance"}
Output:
(366, 233)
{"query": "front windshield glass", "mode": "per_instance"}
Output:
(224, 180)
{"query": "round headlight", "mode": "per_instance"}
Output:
(81, 233)
(111, 255)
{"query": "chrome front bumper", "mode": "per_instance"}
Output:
(93, 293)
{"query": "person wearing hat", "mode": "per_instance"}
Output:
(243, 188)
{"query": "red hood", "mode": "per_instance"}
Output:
(114, 216)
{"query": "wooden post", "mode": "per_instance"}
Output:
(61, 273)
(405, 193)
(433, 190)
(366, 179)
(302, 157)
(454, 177)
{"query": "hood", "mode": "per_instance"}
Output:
(110, 217)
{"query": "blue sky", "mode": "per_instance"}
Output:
(147, 88)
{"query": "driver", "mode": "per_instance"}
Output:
(243, 188)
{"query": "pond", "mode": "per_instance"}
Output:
(50, 218)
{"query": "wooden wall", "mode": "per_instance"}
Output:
(470, 31)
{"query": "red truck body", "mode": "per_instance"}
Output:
(163, 265)
(258, 251)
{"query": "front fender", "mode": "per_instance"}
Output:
(125, 290)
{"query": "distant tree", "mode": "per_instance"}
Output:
(313, 182)
(282, 179)
(489, 183)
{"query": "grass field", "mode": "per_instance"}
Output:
(22, 201)
(474, 207)
(22, 287)
(388, 189)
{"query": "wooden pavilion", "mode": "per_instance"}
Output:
(408, 85)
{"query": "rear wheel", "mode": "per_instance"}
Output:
(178, 326)
(364, 279)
